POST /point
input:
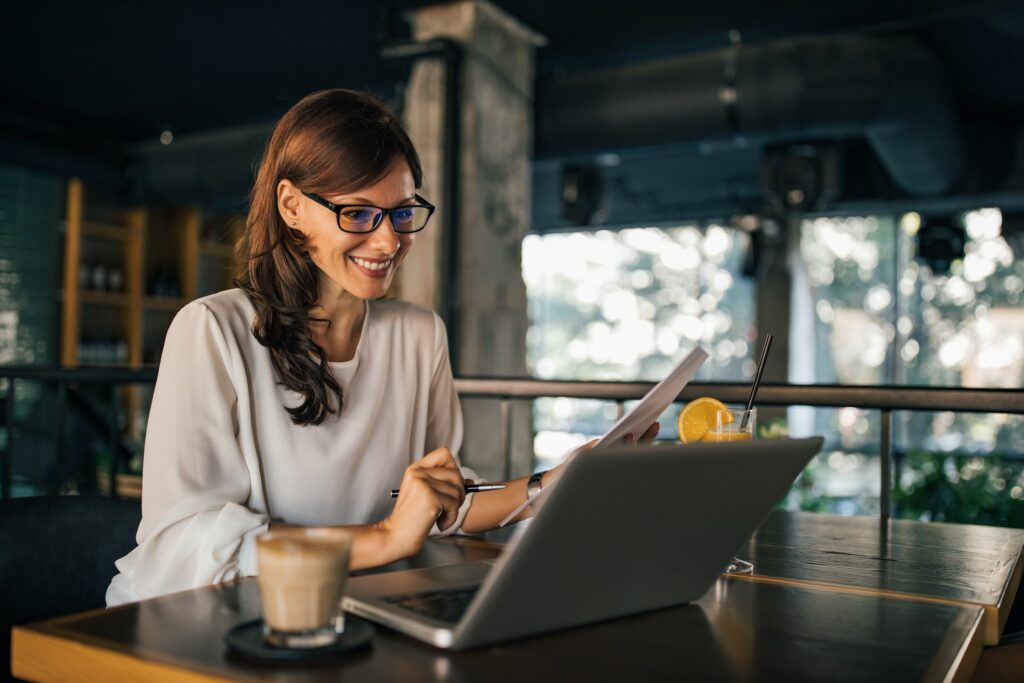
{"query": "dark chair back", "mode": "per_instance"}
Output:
(57, 557)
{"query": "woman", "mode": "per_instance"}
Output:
(301, 397)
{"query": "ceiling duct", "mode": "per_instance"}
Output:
(893, 91)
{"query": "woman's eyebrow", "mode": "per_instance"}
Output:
(364, 200)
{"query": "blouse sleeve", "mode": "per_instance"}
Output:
(196, 527)
(444, 418)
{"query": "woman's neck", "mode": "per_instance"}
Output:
(343, 314)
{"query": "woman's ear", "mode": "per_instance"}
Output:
(289, 204)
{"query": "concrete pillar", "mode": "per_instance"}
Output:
(774, 294)
(497, 141)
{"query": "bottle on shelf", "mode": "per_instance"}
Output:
(104, 351)
(115, 279)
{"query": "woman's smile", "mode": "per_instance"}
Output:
(373, 267)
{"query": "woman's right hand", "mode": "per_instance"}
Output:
(432, 491)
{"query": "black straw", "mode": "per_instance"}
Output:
(757, 380)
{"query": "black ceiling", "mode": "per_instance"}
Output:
(123, 71)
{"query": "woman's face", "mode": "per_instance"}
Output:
(363, 265)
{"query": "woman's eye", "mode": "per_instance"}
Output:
(357, 214)
(404, 215)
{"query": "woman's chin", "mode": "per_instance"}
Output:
(369, 290)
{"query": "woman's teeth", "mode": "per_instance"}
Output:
(372, 265)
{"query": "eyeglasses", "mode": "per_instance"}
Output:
(363, 218)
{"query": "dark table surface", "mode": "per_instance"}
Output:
(739, 631)
(945, 563)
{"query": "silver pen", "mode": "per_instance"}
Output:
(470, 488)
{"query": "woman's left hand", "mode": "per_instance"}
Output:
(646, 437)
(554, 473)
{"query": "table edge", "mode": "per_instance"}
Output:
(30, 647)
(963, 664)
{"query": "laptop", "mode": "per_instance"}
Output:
(625, 530)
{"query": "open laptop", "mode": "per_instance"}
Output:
(625, 530)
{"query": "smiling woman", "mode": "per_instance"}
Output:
(299, 260)
(302, 398)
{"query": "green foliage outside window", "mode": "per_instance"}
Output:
(964, 489)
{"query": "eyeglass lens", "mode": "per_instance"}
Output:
(366, 218)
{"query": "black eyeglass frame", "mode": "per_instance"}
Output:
(384, 212)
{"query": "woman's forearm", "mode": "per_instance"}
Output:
(490, 507)
(375, 544)
(371, 544)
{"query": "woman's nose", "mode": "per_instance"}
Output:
(384, 238)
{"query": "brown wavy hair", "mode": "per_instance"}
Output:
(330, 142)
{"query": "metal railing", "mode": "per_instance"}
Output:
(62, 379)
(881, 398)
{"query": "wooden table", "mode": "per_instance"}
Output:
(742, 630)
(940, 563)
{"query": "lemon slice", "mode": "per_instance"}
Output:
(698, 417)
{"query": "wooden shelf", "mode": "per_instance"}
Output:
(128, 485)
(95, 298)
(117, 233)
(163, 303)
(218, 249)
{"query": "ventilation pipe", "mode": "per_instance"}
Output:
(893, 91)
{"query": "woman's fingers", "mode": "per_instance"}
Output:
(648, 436)
(442, 457)
(440, 466)
(449, 513)
(651, 433)
(437, 499)
(447, 489)
(451, 479)
(448, 498)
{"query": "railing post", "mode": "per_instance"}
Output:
(58, 461)
(505, 406)
(7, 464)
(885, 453)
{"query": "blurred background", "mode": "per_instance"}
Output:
(616, 184)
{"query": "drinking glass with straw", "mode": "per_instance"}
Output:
(735, 425)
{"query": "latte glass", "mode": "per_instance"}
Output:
(302, 575)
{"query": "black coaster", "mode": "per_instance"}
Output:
(247, 639)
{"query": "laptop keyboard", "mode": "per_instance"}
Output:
(447, 606)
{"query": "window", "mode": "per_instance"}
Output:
(867, 309)
(627, 305)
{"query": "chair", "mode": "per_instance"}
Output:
(57, 557)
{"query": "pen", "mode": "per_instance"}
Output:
(470, 488)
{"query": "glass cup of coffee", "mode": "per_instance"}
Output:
(302, 574)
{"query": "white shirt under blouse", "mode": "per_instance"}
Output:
(220, 442)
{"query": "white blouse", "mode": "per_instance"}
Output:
(219, 441)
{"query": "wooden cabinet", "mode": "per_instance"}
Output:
(127, 271)
(102, 294)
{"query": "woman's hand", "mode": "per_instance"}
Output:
(646, 437)
(432, 490)
(552, 475)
